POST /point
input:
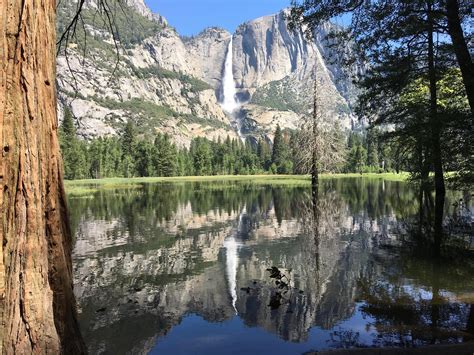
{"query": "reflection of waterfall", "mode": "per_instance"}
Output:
(232, 261)
(230, 104)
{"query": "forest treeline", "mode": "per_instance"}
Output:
(131, 155)
(399, 142)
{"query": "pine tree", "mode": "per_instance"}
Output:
(144, 152)
(280, 158)
(128, 139)
(264, 154)
(74, 158)
(371, 146)
(201, 153)
(278, 149)
(169, 156)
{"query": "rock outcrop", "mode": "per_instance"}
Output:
(168, 83)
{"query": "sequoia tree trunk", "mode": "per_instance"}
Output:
(37, 305)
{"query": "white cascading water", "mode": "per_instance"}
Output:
(229, 102)
(232, 261)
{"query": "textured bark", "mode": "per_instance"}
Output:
(37, 302)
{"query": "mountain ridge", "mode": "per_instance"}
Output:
(171, 84)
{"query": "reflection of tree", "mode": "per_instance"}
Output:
(165, 241)
(442, 233)
(409, 306)
(318, 259)
(343, 338)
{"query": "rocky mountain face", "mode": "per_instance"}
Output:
(164, 82)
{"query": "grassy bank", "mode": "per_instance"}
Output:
(81, 187)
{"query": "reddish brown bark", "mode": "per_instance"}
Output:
(37, 303)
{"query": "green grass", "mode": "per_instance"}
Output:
(75, 188)
(89, 186)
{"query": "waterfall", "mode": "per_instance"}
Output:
(229, 102)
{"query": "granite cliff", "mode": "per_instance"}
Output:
(165, 82)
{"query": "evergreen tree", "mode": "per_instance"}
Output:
(404, 42)
(264, 154)
(280, 159)
(128, 139)
(201, 153)
(144, 152)
(356, 159)
(371, 147)
(73, 152)
(170, 157)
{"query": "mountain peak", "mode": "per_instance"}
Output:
(141, 8)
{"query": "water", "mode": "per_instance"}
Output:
(230, 104)
(182, 268)
(229, 92)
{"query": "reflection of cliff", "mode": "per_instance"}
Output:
(327, 283)
(145, 258)
(149, 275)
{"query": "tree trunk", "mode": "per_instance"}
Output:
(37, 305)
(460, 49)
(435, 138)
(435, 123)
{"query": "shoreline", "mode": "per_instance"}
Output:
(87, 186)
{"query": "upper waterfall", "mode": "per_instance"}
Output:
(229, 102)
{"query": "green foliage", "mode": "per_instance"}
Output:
(411, 82)
(135, 155)
(131, 156)
(201, 153)
(148, 115)
(130, 27)
(193, 84)
(165, 157)
(357, 159)
(139, 107)
(72, 149)
(280, 154)
(369, 152)
(128, 138)
(279, 96)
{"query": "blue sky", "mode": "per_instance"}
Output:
(189, 17)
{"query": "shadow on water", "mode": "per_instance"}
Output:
(364, 265)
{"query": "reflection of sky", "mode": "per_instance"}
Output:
(258, 240)
(196, 336)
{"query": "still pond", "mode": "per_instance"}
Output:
(186, 267)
